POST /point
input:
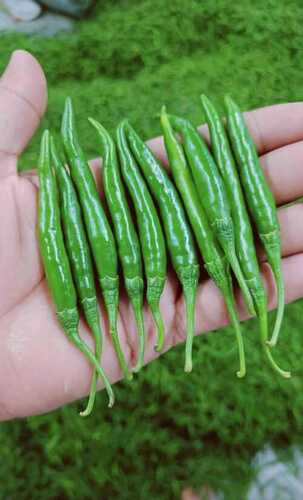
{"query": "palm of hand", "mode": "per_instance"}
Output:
(39, 368)
(20, 264)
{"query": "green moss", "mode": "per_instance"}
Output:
(169, 430)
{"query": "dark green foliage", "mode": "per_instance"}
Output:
(168, 430)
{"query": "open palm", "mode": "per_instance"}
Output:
(39, 368)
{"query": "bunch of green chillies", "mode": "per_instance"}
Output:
(207, 207)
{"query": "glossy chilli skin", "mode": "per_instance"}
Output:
(245, 245)
(98, 230)
(125, 232)
(213, 196)
(179, 237)
(214, 261)
(55, 260)
(259, 198)
(80, 259)
(150, 230)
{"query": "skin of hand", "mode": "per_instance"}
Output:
(40, 369)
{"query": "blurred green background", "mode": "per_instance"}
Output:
(168, 430)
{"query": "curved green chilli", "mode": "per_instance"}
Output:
(260, 200)
(98, 230)
(245, 245)
(125, 232)
(179, 237)
(212, 193)
(150, 231)
(55, 260)
(214, 261)
(80, 259)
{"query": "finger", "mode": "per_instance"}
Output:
(286, 183)
(291, 223)
(275, 126)
(282, 167)
(283, 170)
(95, 164)
(278, 126)
(290, 218)
(271, 127)
(282, 183)
(23, 99)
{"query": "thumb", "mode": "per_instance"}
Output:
(23, 100)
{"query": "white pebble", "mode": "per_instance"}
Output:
(22, 10)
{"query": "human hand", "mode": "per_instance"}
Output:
(39, 368)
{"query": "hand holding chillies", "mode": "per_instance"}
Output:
(214, 210)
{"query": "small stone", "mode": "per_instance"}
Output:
(22, 10)
(47, 25)
(6, 22)
(76, 8)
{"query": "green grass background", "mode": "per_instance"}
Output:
(168, 430)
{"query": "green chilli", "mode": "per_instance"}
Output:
(179, 237)
(212, 194)
(214, 261)
(260, 200)
(125, 232)
(99, 233)
(245, 245)
(80, 259)
(55, 260)
(150, 231)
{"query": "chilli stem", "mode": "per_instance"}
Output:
(234, 264)
(159, 324)
(230, 304)
(137, 308)
(281, 304)
(112, 318)
(96, 329)
(190, 301)
(262, 314)
(78, 342)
